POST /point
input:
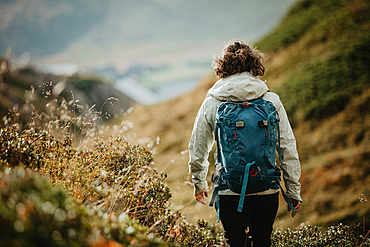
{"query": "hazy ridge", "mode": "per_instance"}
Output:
(125, 33)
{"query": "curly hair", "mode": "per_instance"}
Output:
(238, 57)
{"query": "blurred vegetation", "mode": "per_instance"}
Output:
(33, 213)
(339, 235)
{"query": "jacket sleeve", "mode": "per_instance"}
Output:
(201, 142)
(291, 165)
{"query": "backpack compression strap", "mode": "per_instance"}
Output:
(216, 198)
(244, 185)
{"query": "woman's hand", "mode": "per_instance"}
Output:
(200, 197)
(296, 204)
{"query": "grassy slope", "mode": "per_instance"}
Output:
(317, 64)
(321, 72)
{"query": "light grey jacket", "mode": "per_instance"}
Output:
(240, 87)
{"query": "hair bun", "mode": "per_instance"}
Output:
(237, 45)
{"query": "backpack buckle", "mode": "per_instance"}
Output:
(215, 176)
(239, 124)
(262, 123)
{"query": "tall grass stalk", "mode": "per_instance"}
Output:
(363, 199)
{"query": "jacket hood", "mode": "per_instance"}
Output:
(238, 87)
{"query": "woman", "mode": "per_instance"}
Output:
(238, 68)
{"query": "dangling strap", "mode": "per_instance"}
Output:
(286, 199)
(216, 198)
(244, 185)
(218, 208)
(213, 199)
(216, 187)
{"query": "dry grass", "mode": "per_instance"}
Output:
(66, 145)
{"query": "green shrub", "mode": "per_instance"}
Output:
(32, 213)
(30, 148)
(112, 176)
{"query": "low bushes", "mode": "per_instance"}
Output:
(33, 213)
(107, 178)
(340, 235)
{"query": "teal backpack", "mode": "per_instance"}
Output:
(247, 136)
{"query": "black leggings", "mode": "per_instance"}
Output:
(258, 214)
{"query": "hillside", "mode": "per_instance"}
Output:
(318, 63)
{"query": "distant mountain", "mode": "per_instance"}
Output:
(125, 32)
